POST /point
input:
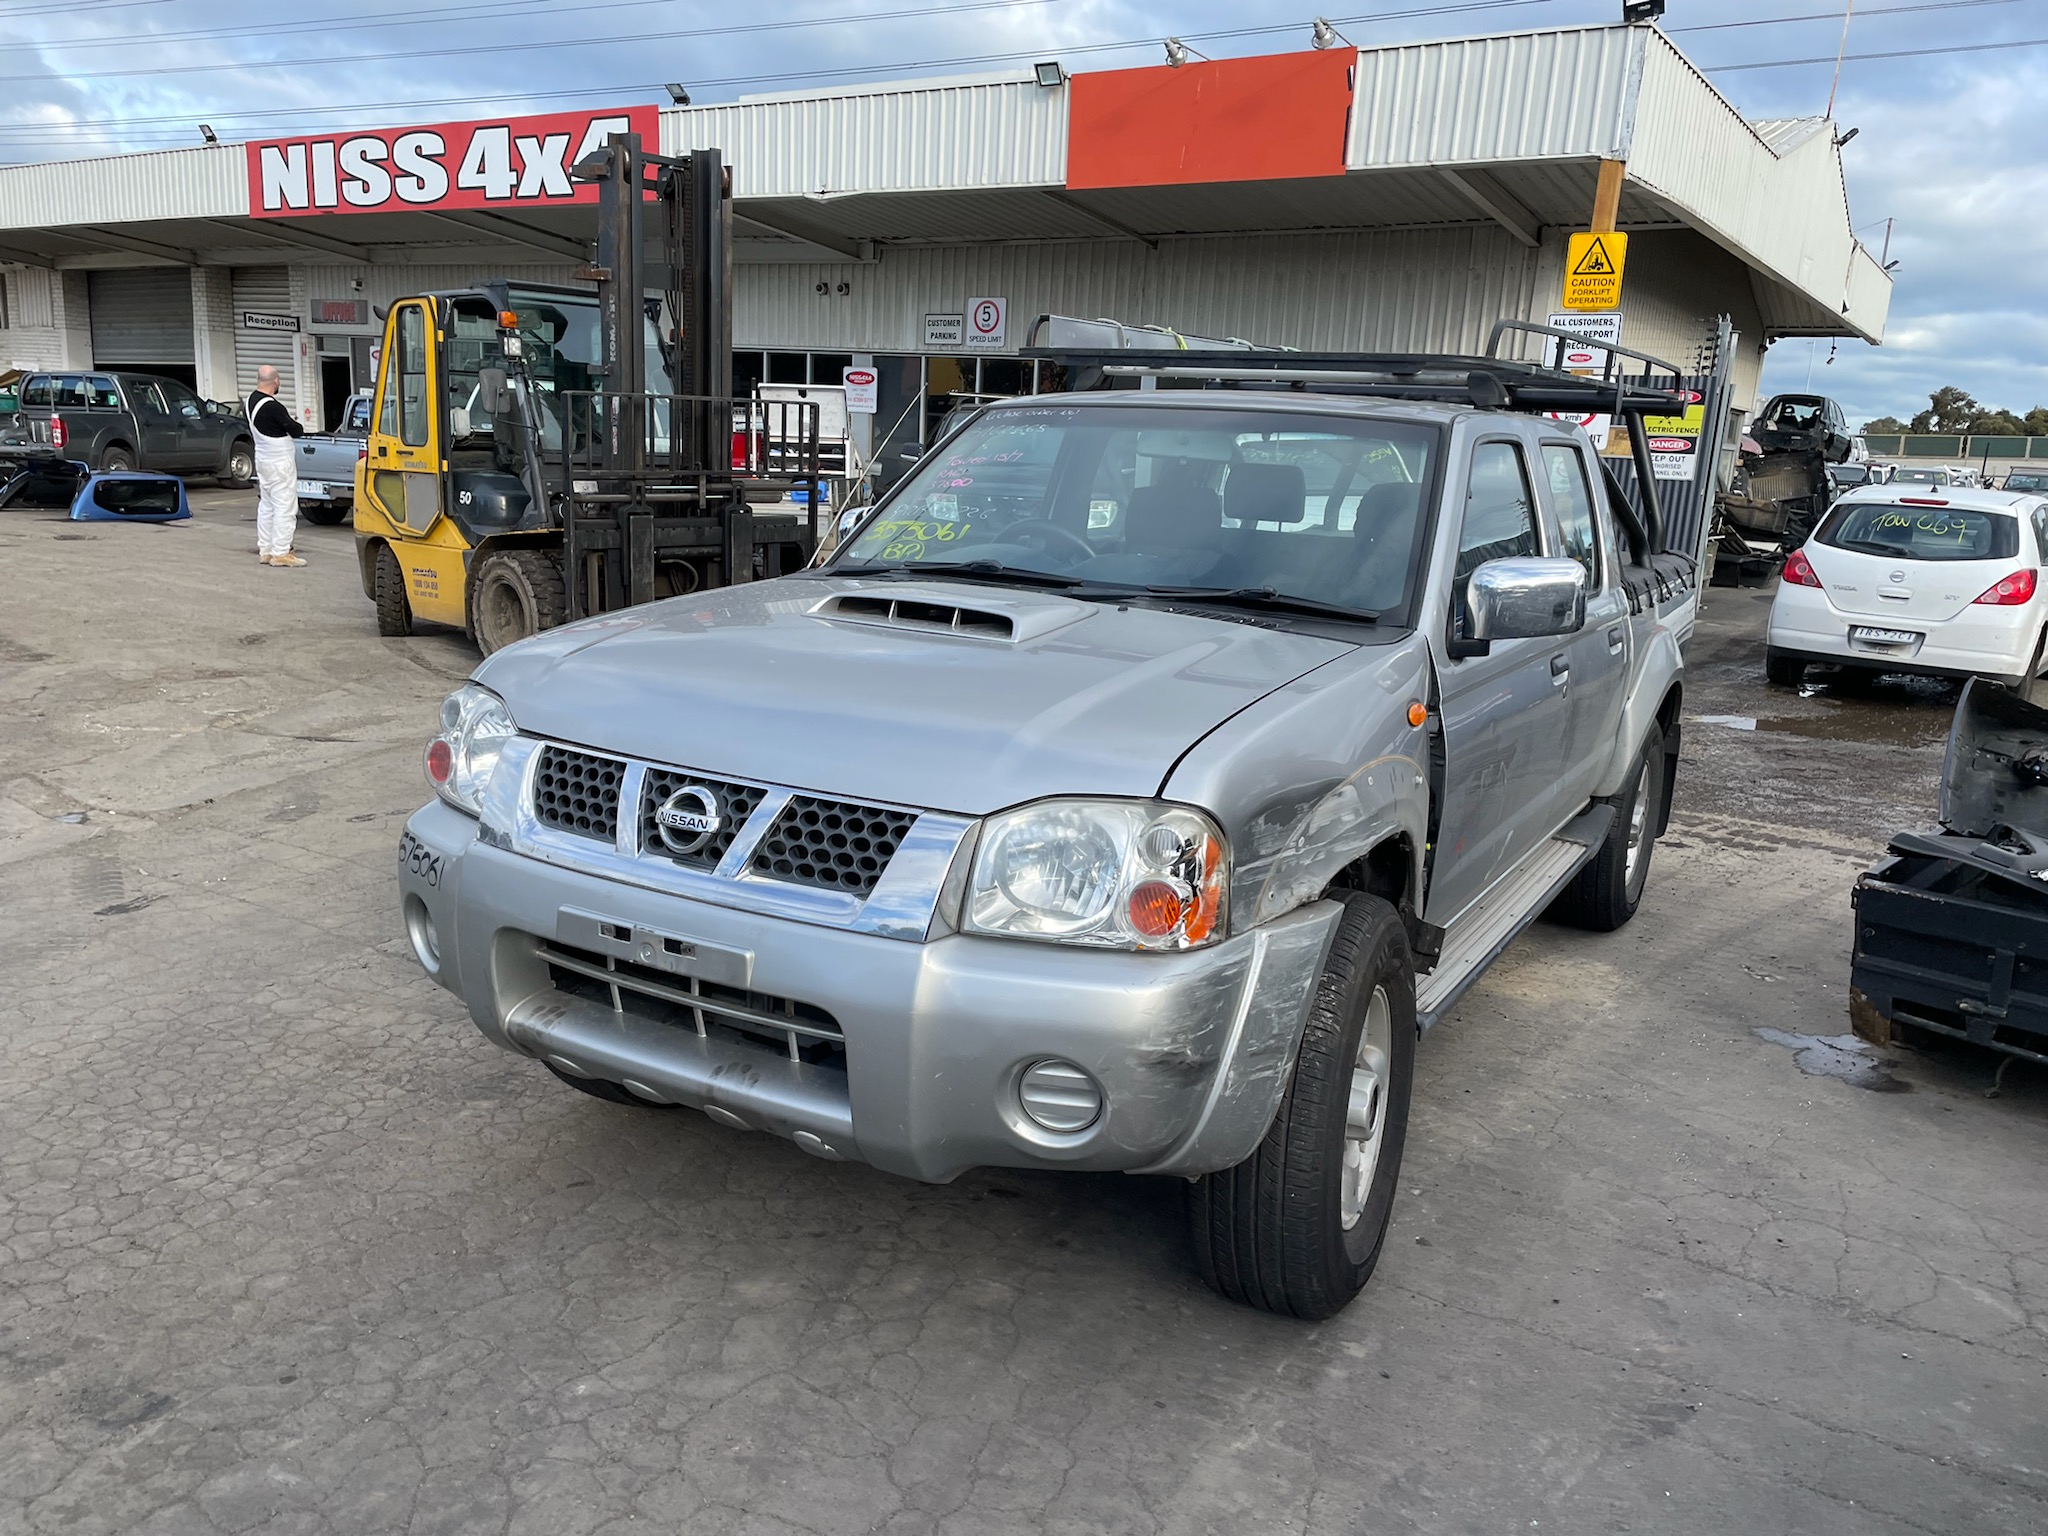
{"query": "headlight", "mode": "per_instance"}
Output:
(1120, 874)
(474, 729)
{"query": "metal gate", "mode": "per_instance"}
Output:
(1688, 505)
(264, 291)
(141, 316)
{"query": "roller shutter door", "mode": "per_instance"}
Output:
(141, 316)
(263, 291)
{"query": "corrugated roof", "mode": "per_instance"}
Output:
(1785, 134)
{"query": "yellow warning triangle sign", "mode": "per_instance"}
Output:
(1593, 261)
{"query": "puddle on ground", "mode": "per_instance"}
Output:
(1842, 1057)
(1889, 728)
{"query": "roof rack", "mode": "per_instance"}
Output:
(1489, 382)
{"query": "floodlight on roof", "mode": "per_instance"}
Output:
(1049, 73)
(678, 95)
(1633, 11)
(208, 134)
(1325, 35)
(1178, 53)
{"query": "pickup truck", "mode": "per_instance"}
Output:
(115, 420)
(327, 464)
(1124, 793)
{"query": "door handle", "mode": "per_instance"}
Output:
(1615, 637)
(1560, 669)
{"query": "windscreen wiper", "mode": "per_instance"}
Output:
(1268, 600)
(992, 571)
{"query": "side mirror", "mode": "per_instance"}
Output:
(1524, 599)
(494, 393)
(910, 453)
(458, 423)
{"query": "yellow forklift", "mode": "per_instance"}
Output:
(538, 454)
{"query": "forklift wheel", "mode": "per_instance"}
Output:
(394, 611)
(514, 593)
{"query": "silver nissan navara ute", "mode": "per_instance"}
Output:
(1123, 793)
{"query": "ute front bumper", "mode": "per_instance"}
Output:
(1190, 1052)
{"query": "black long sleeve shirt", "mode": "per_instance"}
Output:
(270, 417)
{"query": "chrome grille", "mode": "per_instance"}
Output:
(577, 792)
(736, 802)
(798, 1030)
(830, 844)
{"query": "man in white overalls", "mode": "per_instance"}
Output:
(277, 479)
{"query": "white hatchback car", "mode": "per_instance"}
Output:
(1910, 578)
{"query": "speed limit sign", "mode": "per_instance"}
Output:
(988, 322)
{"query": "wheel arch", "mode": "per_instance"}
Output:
(367, 546)
(1669, 721)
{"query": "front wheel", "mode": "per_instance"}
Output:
(1297, 1227)
(1605, 893)
(513, 594)
(240, 468)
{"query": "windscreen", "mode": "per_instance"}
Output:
(2026, 482)
(1325, 507)
(560, 341)
(1921, 533)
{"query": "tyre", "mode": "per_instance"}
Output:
(1605, 893)
(325, 514)
(394, 608)
(117, 458)
(2033, 687)
(240, 469)
(1783, 671)
(514, 593)
(598, 1088)
(1297, 1227)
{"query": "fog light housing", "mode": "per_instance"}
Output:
(426, 939)
(1058, 1096)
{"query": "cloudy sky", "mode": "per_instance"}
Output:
(1951, 143)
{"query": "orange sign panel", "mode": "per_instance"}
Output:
(1276, 117)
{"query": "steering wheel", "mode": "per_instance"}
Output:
(1053, 534)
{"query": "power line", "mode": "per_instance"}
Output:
(1893, 53)
(908, 69)
(1881, 10)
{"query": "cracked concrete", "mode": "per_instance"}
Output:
(285, 1246)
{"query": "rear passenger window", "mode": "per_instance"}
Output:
(71, 391)
(36, 391)
(101, 395)
(1571, 499)
(1500, 512)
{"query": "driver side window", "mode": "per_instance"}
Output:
(1500, 512)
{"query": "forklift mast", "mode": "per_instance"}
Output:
(656, 496)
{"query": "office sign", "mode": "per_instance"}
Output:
(341, 311)
(507, 162)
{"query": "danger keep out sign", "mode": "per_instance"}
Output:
(504, 163)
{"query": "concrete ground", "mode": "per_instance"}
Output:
(286, 1246)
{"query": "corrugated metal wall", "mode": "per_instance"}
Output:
(208, 182)
(910, 137)
(1527, 96)
(1430, 289)
(263, 291)
(142, 315)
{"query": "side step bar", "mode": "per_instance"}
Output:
(1493, 922)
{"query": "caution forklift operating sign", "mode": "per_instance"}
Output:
(1592, 270)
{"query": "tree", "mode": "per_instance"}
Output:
(2037, 421)
(1997, 424)
(1948, 410)
(1885, 425)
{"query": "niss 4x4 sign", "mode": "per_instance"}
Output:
(503, 162)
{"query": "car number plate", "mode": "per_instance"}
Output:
(312, 490)
(1884, 636)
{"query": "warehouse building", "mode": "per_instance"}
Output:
(1393, 198)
